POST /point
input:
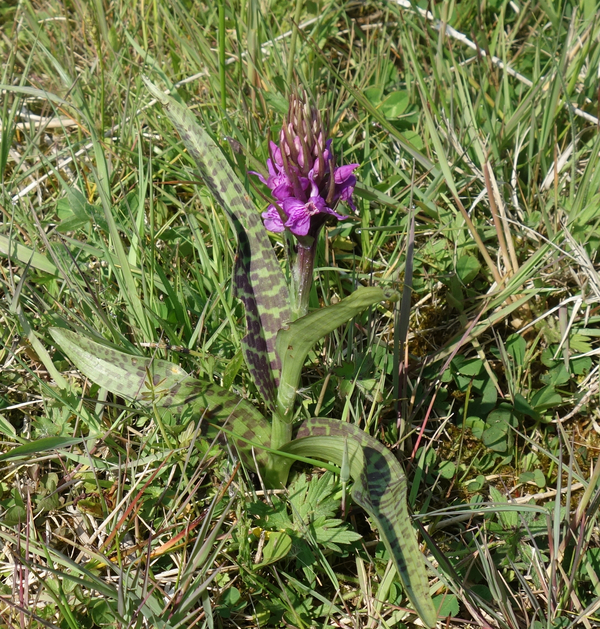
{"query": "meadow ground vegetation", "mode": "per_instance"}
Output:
(437, 230)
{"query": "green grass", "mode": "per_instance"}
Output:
(105, 228)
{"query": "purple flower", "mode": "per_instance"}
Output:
(273, 220)
(278, 181)
(344, 184)
(303, 178)
(300, 213)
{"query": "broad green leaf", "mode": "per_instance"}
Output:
(373, 95)
(477, 483)
(448, 605)
(522, 406)
(14, 515)
(170, 388)
(394, 105)
(40, 445)
(258, 279)
(476, 425)
(333, 533)
(526, 477)
(468, 367)
(539, 478)
(467, 268)
(545, 399)
(498, 435)
(447, 469)
(24, 255)
(278, 546)
(102, 614)
(380, 488)
(556, 376)
(296, 340)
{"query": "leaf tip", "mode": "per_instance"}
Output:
(154, 90)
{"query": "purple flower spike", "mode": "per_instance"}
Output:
(300, 174)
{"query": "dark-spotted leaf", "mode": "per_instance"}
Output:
(257, 277)
(171, 389)
(380, 488)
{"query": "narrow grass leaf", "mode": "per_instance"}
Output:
(24, 255)
(40, 445)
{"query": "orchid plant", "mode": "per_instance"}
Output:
(306, 186)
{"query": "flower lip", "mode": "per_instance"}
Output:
(345, 180)
(300, 213)
(273, 220)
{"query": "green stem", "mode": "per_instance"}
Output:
(302, 261)
(301, 253)
(281, 430)
(277, 470)
(302, 268)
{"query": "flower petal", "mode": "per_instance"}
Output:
(342, 173)
(273, 220)
(253, 172)
(328, 210)
(283, 191)
(298, 224)
(292, 205)
(276, 155)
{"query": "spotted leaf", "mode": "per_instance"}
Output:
(380, 489)
(258, 279)
(166, 385)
